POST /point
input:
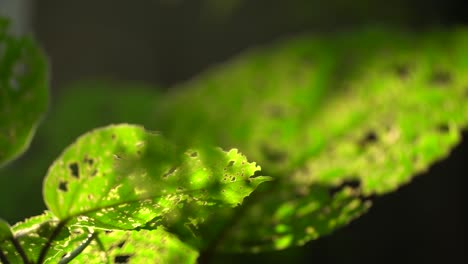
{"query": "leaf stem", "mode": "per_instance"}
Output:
(3, 258)
(70, 256)
(19, 249)
(48, 244)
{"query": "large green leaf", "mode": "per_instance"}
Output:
(23, 92)
(335, 119)
(124, 177)
(155, 246)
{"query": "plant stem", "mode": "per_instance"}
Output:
(48, 244)
(3, 258)
(70, 256)
(19, 249)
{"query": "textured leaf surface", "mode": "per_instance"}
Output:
(334, 119)
(23, 92)
(145, 246)
(123, 177)
(32, 234)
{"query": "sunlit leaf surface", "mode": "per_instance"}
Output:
(145, 246)
(23, 92)
(124, 177)
(335, 119)
(32, 235)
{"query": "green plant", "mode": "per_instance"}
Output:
(332, 121)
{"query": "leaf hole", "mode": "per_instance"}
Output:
(169, 172)
(88, 160)
(231, 163)
(74, 169)
(94, 172)
(369, 138)
(122, 259)
(194, 154)
(63, 186)
(121, 244)
(443, 128)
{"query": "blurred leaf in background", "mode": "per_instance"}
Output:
(23, 92)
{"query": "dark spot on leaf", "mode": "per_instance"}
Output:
(194, 154)
(441, 78)
(74, 169)
(88, 160)
(94, 172)
(138, 152)
(171, 170)
(369, 138)
(122, 259)
(402, 70)
(230, 163)
(353, 184)
(273, 155)
(63, 186)
(121, 244)
(108, 231)
(443, 128)
(114, 136)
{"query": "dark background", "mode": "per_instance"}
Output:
(166, 42)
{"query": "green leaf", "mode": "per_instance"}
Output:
(129, 103)
(23, 92)
(145, 246)
(5, 230)
(334, 119)
(32, 235)
(123, 177)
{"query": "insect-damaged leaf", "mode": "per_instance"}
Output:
(131, 246)
(123, 177)
(334, 119)
(32, 235)
(23, 92)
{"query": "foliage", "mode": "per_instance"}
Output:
(333, 120)
(23, 92)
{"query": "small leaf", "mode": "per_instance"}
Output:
(123, 177)
(23, 92)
